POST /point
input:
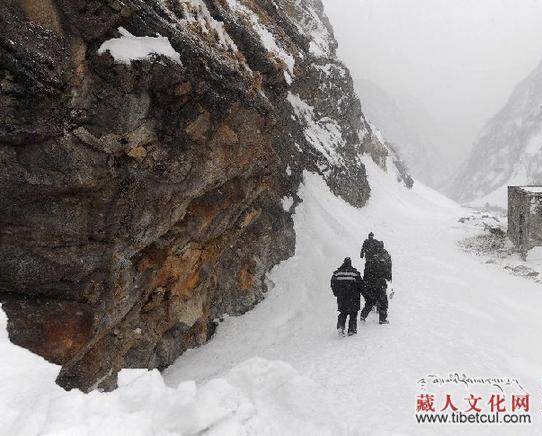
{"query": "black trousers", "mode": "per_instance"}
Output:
(378, 299)
(352, 322)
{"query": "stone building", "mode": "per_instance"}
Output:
(525, 216)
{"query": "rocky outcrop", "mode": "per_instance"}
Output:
(142, 198)
(387, 157)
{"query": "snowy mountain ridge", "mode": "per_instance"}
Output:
(508, 151)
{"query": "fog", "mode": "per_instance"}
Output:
(460, 58)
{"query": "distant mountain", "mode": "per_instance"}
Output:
(508, 150)
(402, 121)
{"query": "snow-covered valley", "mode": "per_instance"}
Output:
(280, 369)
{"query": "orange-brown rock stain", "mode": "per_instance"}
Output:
(245, 279)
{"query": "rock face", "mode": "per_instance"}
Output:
(508, 151)
(142, 193)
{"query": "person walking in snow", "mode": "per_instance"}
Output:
(368, 250)
(376, 278)
(347, 284)
(369, 247)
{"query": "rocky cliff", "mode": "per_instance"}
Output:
(151, 153)
(508, 150)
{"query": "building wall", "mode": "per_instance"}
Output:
(516, 209)
(535, 220)
(524, 218)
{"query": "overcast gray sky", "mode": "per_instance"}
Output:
(460, 58)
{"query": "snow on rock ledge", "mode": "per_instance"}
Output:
(129, 47)
(323, 134)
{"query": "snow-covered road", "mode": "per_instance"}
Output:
(451, 312)
(281, 369)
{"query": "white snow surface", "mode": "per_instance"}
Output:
(129, 47)
(280, 369)
(256, 397)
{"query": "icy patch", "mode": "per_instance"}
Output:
(324, 134)
(128, 47)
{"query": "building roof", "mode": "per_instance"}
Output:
(529, 189)
(532, 189)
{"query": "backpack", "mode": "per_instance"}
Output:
(382, 263)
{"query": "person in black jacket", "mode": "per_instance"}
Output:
(347, 285)
(368, 250)
(369, 247)
(376, 279)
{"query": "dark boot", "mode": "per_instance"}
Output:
(341, 322)
(383, 316)
(383, 308)
(353, 323)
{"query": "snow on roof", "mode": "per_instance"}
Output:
(532, 189)
(129, 47)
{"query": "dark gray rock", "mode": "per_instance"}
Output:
(142, 201)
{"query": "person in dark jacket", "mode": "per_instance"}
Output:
(376, 279)
(347, 285)
(369, 247)
(368, 250)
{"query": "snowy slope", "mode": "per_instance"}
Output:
(508, 150)
(450, 312)
(280, 369)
